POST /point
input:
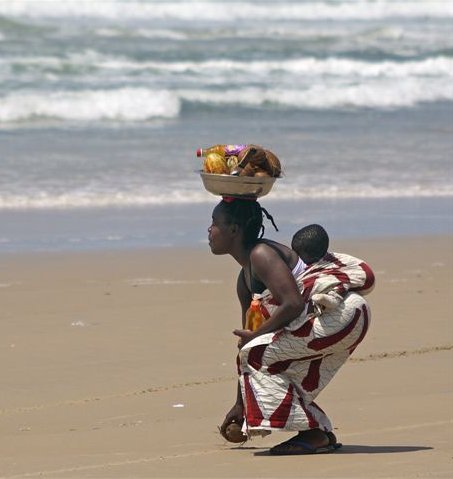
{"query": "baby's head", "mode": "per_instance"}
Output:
(310, 243)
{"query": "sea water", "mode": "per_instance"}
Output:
(104, 103)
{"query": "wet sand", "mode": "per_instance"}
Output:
(122, 364)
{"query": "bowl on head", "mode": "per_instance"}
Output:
(237, 186)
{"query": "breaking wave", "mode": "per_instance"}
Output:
(215, 11)
(141, 104)
(76, 200)
(126, 104)
(224, 68)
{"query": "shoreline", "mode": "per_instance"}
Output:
(341, 243)
(186, 224)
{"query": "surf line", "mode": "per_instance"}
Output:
(171, 387)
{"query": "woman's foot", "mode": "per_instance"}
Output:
(333, 439)
(313, 441)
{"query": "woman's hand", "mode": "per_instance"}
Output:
(245, 335)
(236, 414)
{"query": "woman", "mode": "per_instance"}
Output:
(289, 359)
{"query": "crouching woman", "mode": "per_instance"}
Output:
(293, 355)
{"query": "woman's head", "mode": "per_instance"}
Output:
(236, 217)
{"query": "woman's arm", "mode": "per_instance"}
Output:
(275, 274)
(236, 413)
(244, 295)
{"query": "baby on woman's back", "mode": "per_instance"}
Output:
(329, 276)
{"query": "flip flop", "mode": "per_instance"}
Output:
(297, 447)
(333, 440)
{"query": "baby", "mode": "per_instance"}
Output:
(329, 276)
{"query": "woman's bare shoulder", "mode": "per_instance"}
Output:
(267, 249)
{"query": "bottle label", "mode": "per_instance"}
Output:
(234, 150)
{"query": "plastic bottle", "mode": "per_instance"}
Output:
(254, 317)
(222, 150)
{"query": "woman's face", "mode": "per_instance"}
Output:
(220, 233)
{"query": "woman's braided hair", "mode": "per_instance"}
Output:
(248, 215)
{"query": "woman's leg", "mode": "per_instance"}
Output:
(281, 374)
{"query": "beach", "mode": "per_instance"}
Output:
(122, 364)
(117, 353)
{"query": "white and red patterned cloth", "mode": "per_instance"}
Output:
(281, 373)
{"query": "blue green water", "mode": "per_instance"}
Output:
(103, 104)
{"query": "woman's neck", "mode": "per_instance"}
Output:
(241, 255)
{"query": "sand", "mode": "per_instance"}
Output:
(122, 364)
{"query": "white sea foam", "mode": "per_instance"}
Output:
(48, 200)
(127, 104)
(395, 39)
(307, 66)
(312, 84)
(141, 33)
(373, 94)
(215, 11)
(283, 192)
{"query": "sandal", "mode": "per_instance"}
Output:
(297, 446)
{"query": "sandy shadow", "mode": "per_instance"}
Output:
(361, 449)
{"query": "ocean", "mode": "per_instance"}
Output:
(104, 103)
